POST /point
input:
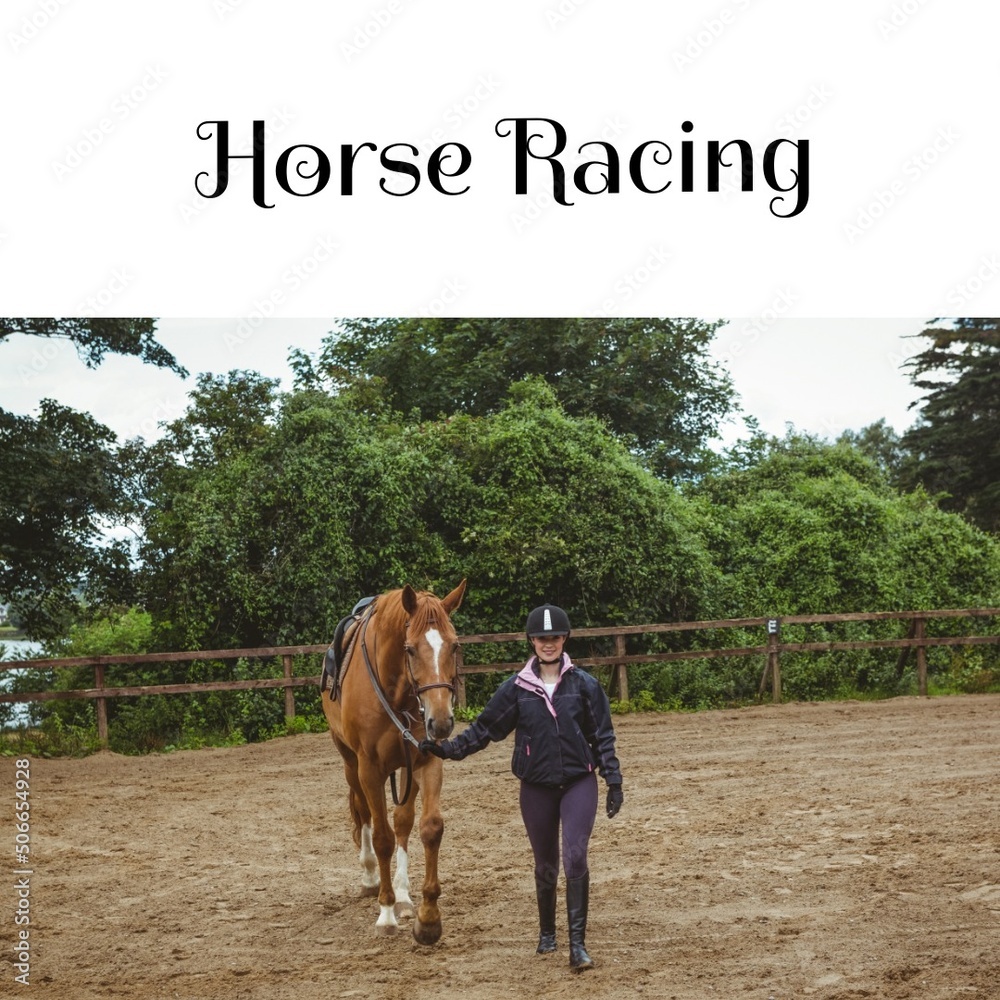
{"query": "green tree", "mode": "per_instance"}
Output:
(62, 484)
(267, 516)
(818, 528)
(58, 489)
(94, 338)
(532, 505)
(879, 442)
(268, 528)
(650, 380)
(954, 449)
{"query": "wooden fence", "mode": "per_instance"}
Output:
(772, 647)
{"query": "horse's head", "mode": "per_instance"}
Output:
(432, 656)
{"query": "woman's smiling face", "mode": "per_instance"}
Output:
(548, 648)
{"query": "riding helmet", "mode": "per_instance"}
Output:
(547, 620)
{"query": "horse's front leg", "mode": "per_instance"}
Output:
(427, 926)
(383, 840)
(402, 821)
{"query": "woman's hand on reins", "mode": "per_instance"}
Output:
(442, 750)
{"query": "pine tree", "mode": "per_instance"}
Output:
(954, 449)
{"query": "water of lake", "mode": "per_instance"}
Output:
(15, 649)
(19, 649)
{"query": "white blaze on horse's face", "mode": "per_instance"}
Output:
(434, 673)
(435, 641)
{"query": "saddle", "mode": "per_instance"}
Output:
(340, 648)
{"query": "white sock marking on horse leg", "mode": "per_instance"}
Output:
(387, 922)
(435, 641)
(401, 883)
(369, 862)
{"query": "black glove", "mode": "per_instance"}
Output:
(443, 750)
(615, 799)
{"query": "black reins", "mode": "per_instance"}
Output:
(408, 738)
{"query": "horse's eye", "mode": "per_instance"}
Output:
(410, 650)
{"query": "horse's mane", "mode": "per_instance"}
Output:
(429, 613)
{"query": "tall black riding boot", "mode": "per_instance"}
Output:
(546, 893)
(577, 902)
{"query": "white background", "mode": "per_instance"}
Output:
(100, 216)
(897, 99)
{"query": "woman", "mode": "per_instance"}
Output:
(562, 728)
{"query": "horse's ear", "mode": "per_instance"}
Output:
(454, 599)
(409, 599)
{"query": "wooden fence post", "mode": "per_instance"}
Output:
(460, 679)
(621, 669)
(102, 707)
(920, 632)
(773, 638)
(286, 661)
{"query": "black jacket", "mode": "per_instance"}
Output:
(555, 742)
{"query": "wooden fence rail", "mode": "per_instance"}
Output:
(772, 647)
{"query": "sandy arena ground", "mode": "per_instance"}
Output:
(830, 851)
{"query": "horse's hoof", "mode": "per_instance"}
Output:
(386, 930)
(403, 911)
(369, 890)
(427, 933)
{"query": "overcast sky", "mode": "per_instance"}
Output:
(821, 375)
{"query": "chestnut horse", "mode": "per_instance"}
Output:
(401, 659)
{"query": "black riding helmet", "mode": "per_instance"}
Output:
(547, 620)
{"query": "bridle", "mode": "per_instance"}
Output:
(419, 689)
(408, 738)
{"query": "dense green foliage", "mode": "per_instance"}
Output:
(818, 528)
(264, 515)
(651, 381)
